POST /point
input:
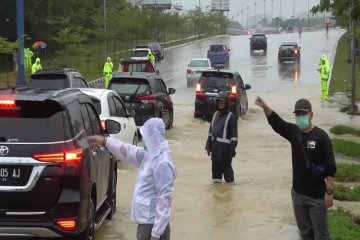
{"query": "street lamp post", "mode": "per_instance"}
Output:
(264, 14)
(308, 18)
(105, 28)
(20, 36)
(255, 15)
(247, 17)
(242, 17)
(280, 9)
(293, 13)
(272, 9)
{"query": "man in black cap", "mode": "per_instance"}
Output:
(222, 140)
(313, 165)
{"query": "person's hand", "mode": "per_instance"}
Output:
(208, 152)
(329, 200)
(260, 102)
(96, 140)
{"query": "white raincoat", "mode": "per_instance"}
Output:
(155, 181)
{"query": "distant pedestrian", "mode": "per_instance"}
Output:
(314, 168)
(36, 67)
(152, 200)
(151, 58)
(107, 71)
(222, 140)
(324, 69)
(121, 66)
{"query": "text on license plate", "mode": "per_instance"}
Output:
(14, 175)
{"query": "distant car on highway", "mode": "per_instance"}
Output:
(157, 50)
(146, 94)
(258, 41)
(112, 107)
(289, 29)
(140, 54)
(57, 79)
(219, 55)
(53, 185)
(211, 84)
(289, 52)
(195, 68)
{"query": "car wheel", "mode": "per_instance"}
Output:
(166, 116)
(89, 233)
(112, 196)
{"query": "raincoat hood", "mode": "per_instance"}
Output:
(153, 133)
(108, 59)
(37, 60)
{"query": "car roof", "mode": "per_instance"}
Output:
(63, 96)
(64, 71)
(220, 71)
(196, 59)
(259, 34)
(135, 75)
(141, 49)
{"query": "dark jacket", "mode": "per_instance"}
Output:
(223, 136)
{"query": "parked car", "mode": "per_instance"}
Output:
(219, 55)
(139, 66)
(140, 54)
(53, 184)
(211, 84)
(289, 51)
(157, 49)
(112, 107)
(195, 68)
(258, 41)
(57, 79)
(146, 94)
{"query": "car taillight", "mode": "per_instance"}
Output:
(189, 71)
(7, 104)
(68, 225)
(71, 157)
(233, 94)
(103, 125)
(147, 99)
(296, 51)
(198, 87)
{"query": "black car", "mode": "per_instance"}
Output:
(213, 82)
(258, 41)
(146, 94)
(57, 79)
(289, 52)
(157, 50)
(53, 184)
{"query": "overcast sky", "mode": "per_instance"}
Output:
(301, 6)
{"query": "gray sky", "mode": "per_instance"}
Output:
(301, 6)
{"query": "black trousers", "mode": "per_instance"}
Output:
(144, 232)
(223, 168)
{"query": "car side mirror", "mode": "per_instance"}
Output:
(131, 113)
(172, 90)
(247, 86)
(112, 127)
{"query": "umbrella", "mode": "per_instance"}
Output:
(39, 45)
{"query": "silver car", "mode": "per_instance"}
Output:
(195, 68)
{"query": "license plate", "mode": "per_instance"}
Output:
(11, 175)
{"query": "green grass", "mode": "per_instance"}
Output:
(344, 193)
(348, 172)
(342, 226)
(342, 129)
(341, 73)
(348, 148)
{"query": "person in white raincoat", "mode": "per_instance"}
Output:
(152, 199)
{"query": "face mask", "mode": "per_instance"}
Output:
(303, 122)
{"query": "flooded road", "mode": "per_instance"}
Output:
(259, 205)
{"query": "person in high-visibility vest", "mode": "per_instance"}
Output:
(121, 67)
(324, 69)
(36, 67)
(107, 71)
(151, 58)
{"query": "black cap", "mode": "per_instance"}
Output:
(303, 105)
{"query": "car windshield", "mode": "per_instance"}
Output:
(256, 37)
(216, 48)
(127, 87)
(49, 81)
(155, 46)
(199, 63)
(287, 46)
(217, 81)
(24, 124)
(141, 53)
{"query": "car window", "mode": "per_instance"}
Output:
(240, 81)
(24, 124)
(75, 118)
(128, 87)
(86, 120)
(112, 107)
(120, 108)
(216, 48)
(49, 81)
(162, 86)
(76, 82)
(94, 120)
(217, 82)
(287, 46)
(140, 53)
(199, 63)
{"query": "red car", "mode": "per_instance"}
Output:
(289, 52)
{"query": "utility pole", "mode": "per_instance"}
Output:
(105, 28)
(272, 10)
(255, 15)
(308, 20)
(281, 10)
(293, 13)
(264, 14)
(353, 107)
(247, 17)
(199, 19)
(20, 37)
(242, 18)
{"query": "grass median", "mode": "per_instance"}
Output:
(343, 225)
(348, 148)
(347, 172)
(342, 130)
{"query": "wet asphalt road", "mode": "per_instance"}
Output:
(259, 206)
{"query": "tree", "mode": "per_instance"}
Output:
(7, 47)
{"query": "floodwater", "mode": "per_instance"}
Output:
(259, 205)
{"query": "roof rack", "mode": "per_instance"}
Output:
(58, 70)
